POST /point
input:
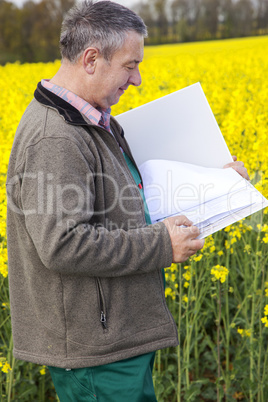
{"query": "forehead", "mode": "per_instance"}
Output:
(132, 49)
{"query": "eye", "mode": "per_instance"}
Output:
(130, 68)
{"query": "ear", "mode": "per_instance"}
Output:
(90, 56)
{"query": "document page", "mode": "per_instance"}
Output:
(211, 198)
(179, 127)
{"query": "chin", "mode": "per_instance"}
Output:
(115, 101)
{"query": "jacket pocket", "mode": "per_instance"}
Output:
(101, 304)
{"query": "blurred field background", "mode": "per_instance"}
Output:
(30, 33)
(220, 297)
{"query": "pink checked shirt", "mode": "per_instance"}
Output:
(99, 117)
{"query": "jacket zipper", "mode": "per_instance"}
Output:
(101, 301)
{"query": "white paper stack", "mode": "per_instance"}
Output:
(211, 198)
(180, 152)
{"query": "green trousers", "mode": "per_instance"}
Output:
(127, 380)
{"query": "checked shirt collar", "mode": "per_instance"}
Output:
(99, 117)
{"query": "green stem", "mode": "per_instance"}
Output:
(227, 333)
(42, 389)
(218, 344)
(179, 336)
(10, 375)
(159, 361)
(196, 353)
(187, 352)
(260, 354)
(256, 272)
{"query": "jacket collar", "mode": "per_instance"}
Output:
(73, 116)
(65, 109)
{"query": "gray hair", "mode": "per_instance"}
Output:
(102, 24)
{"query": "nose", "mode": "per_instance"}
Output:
(135, 77)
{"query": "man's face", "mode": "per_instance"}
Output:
(111, 79)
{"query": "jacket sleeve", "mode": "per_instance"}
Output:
(57, 198)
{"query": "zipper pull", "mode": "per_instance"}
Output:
(103, 319)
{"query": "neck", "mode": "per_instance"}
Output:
(74, 78)
(66, 77)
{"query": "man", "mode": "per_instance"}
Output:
(85, 265)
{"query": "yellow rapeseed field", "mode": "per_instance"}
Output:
(233, 74)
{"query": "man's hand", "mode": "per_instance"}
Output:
(239, 167)
(183, 237)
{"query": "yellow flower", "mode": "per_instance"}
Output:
(264, 320)
(187, 276)
(238, 396)
(185, 299)
(170, 292)
(247, 248)
(220, 253)
(227, 245)
(186, 284)
(198, 258)
(42, 370)
(244, 332)
(173, 267)
(5, 305)
(6, 367)
(3, 261)
(265, 228)
(266, 310)
(265, 239)
(219, 273)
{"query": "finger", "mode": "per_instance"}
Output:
(234, 158)
(242, 171)
(194, 232)
(234, 164)
(239, 167)
(183, 220)
(177, 224)
(191, 229)
(197, 244)
(194, 251)
(189, 232)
